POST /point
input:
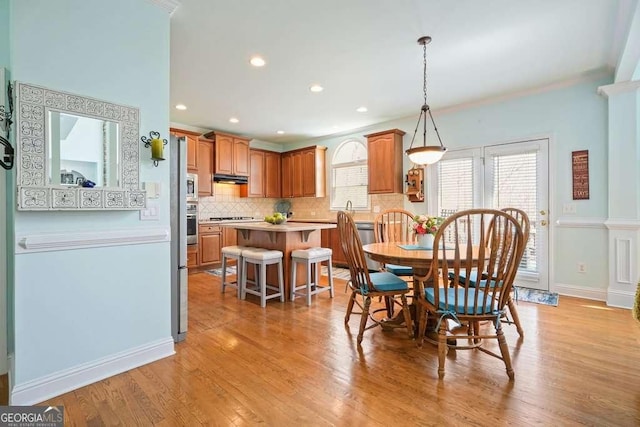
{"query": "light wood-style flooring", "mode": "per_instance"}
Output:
(293, 365)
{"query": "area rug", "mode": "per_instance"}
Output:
(338, 273)
(535, 295)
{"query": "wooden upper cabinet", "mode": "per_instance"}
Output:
(385, 162)
(304, 172)
(255, 188)
(272, 173)
(205, 167)
(287, 174)
(231, 154)
(241, 157)
(264, 176)
(192, 147)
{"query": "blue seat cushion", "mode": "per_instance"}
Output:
(399, 270)
(385, 281)
(430, 296)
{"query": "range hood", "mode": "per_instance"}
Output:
(229, 179)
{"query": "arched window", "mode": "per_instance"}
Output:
(349, 176)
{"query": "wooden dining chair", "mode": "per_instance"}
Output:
(484, 240)
(365, 284)
(394, 225)
(523, 220)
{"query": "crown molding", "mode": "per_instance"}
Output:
(168, 5)
(618, 88)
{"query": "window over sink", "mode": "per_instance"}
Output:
(349, 176)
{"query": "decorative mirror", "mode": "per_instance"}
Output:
(76, 153)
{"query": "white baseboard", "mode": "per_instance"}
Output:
(620, 299)
(41, 389)
(580, 292)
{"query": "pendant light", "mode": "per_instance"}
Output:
(427, 154)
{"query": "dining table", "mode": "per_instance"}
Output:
(419, 258)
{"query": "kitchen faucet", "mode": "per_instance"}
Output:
(349, 208)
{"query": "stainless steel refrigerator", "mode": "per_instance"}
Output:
(178, 200)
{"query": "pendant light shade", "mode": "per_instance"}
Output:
(427, 154)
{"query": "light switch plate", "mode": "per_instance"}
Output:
(152, 189)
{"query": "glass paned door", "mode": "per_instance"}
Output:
(508, 175)
(516, 175)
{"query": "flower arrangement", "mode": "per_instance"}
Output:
(424, 224)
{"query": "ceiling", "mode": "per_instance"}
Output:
(365, 53)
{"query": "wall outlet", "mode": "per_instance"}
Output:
(582, 267)
(376, 209)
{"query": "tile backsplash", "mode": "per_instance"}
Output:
(227, 202)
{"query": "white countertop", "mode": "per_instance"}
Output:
(278, 228)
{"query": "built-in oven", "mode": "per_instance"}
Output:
(192, 223)
(192, 187)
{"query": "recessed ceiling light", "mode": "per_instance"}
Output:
(257, 61)
(280, 132)
(234, 120)
(181, 107)
(316, 88)
(362, 109)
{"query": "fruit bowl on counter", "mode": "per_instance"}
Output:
(276, 218)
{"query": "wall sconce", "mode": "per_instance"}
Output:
(157, 146)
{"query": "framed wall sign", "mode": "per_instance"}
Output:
(580, 173)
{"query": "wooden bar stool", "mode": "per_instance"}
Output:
(312, 258)
(262, 258)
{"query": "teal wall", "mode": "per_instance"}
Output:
(575, 118)
(4, 274)
(78, 306)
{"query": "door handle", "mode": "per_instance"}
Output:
(543, 212)
(543, 222)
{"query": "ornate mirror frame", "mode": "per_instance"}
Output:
(34, 193)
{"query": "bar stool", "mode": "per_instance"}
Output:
(262, 258)
(311, 257)
(234, 253)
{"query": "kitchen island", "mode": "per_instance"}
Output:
(285, 237)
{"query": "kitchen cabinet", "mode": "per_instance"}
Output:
(210, 244)
(272, 174)
(304, 172)
(264, 177)
(385, 162)
(192, 147)
(286, 164)
(192, 256)
(231, 154)
(330, 238)
(229, 237)
(205, 167)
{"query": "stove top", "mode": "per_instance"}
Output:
(230, 218)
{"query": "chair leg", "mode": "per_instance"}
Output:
(308, 284)
(263, 285)
(243, 281)
(504, 351)
(421, 316)
(514, 316)
(352, 300)
(294, 266)
(224, 272)
(407, 315)
(442, 348)
(330, 271)
(364, 318)
(238, 276)
(280, 281)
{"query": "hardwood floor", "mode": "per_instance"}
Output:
(293, 365)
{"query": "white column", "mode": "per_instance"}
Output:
(624, 191)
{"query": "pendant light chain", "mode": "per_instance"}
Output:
(424, 72)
